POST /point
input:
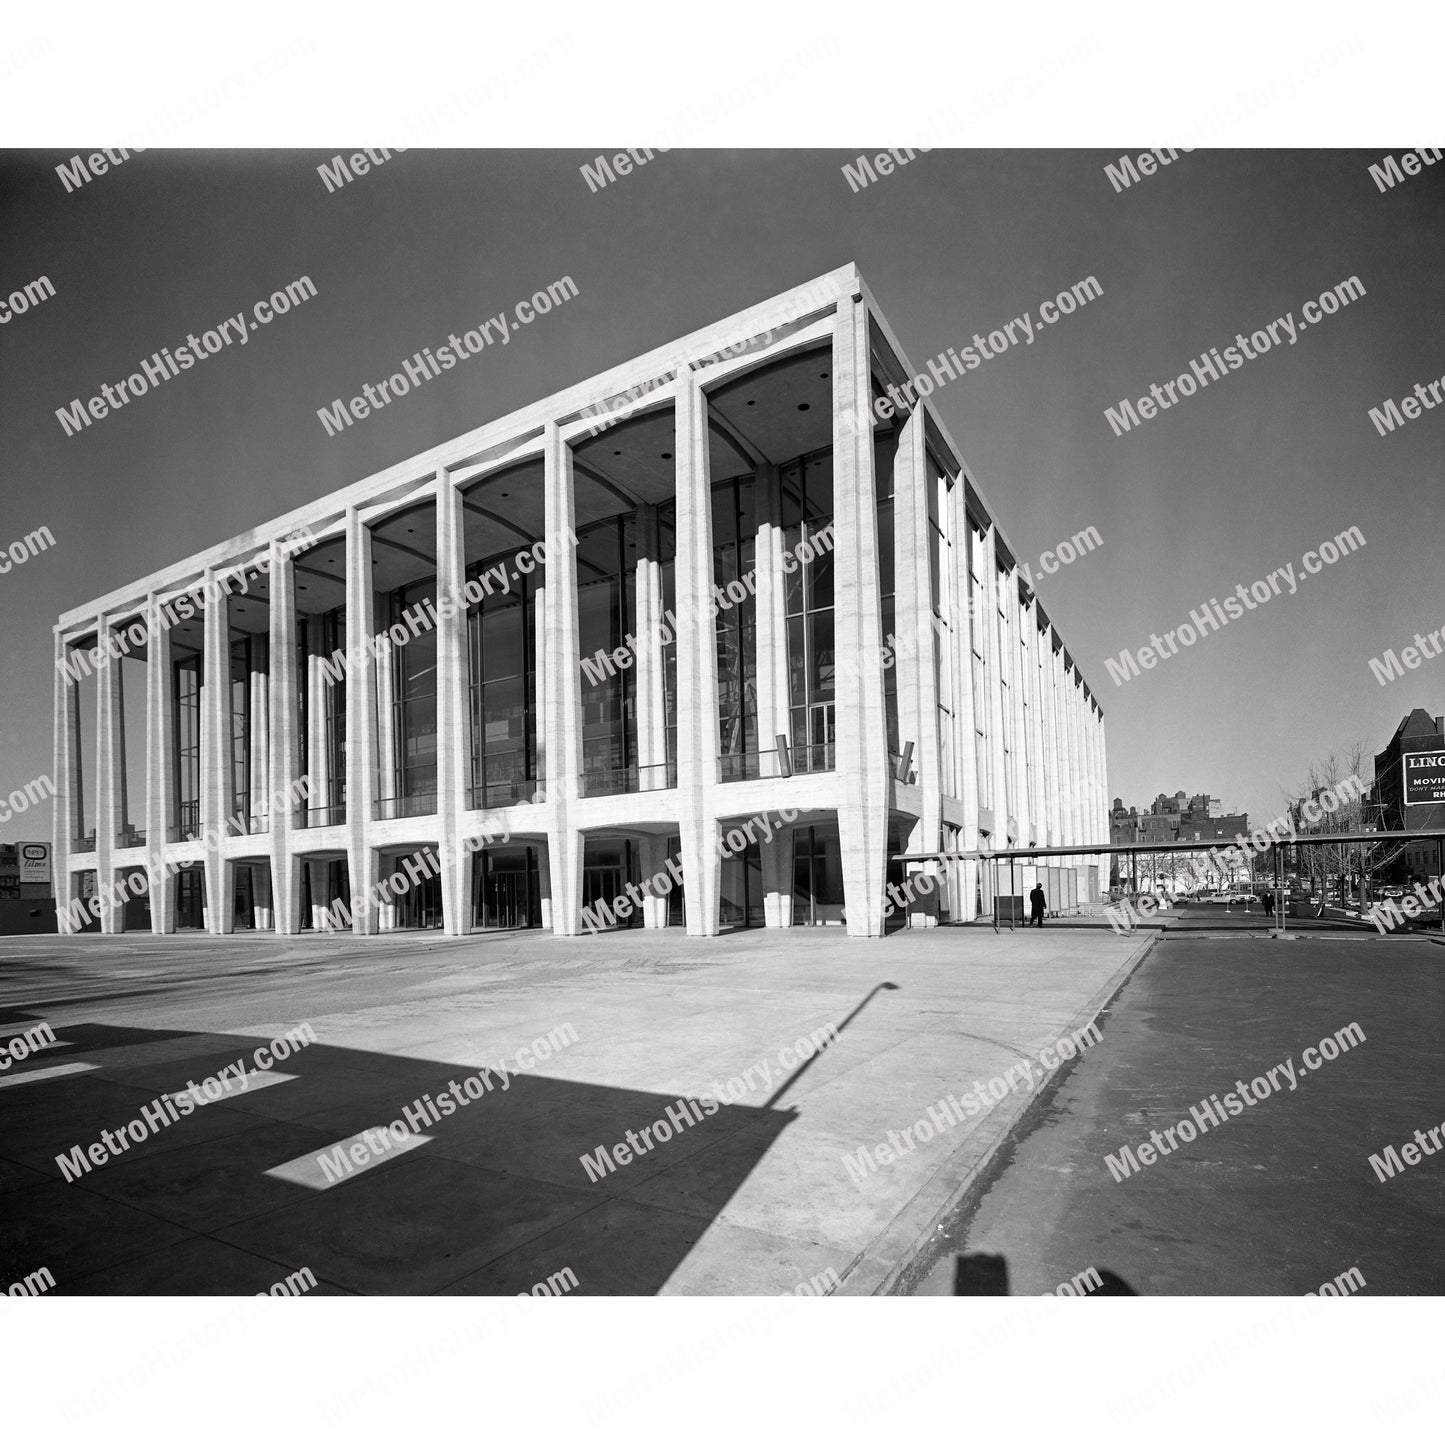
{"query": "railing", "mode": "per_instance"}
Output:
(418, 805)
(241, 823)
(739, 767)
(633, 779)
(84, 843)
(323, 817)
(502, 794)
(130, 838)
(815, 757)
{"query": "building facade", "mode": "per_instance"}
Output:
(1409, 792)
(705, 641)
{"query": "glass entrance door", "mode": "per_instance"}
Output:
(506, 889)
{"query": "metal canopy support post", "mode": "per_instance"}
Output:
(1011, 894)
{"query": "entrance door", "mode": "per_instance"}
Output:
(507, 891)
(607, 868)
(421, 905)
(243, 915)
(190, 898)
(817, 875)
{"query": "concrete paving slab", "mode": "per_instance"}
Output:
(658, 1017)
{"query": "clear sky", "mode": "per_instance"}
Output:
(1236, 481)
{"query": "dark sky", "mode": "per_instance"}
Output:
(1236, 481)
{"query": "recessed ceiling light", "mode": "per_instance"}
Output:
(411, 529)
(752, 403)
(301, 587)
(667, 456)
(802, 406)
(616, 454)
(505, 494)
(823, 375)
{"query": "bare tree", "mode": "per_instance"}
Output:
(1352, 815)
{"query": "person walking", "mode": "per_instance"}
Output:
(1037, 903)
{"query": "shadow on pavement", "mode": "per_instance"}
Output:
(493, 1201)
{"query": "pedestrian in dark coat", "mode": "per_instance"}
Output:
(1037, 904)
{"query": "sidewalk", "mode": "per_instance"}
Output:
(755, 1200)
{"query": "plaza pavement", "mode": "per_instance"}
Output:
(753, 1200)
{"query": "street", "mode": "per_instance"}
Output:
(1277, 1200)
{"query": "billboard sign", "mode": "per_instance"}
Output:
(1424, 778)
(34, 862)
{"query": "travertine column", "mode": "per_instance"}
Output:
(109, 772)
(862, 765)
(650, 700)
(260, 799)
(216, 755)
(319, 702)
(697, 684)
(993, 715)
(285, 734)
(453, 730)
(966, 756)
(160, 768)
(917, 678)
(654, 864)
(1038, 810)
(771, 631)
(360, 724)
(66, 808)
(1019, 747)
(562, 719)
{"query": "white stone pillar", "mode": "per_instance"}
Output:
(697, 683)
(562, 719)
(650, 695)
(966, 755)
(994, 715)
(654, 899)
(216, 756)
(160, 807)
(109, 770)
(361, 724)
(260, 748)
(284, 729)
(453, 728)
(65, 813)
(917, 678)
(862, 763)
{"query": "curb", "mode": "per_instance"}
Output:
(879, 1267)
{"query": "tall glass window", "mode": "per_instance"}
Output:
(885, 455)
(667, 558)
(248, 656)
(333, 639)
(186, 674)
(977, 622)
(940, 569)
(501, 650)
(807, 497)
(734, 540)
(414, 705)
(607, 613)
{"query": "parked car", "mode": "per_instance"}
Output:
(1392, 892)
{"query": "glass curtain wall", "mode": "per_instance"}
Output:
(409, 776)
(734, 542)
(502, 670)
(807, 498)
(607, 612)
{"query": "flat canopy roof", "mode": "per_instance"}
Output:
(1202, 845)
